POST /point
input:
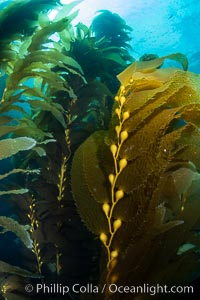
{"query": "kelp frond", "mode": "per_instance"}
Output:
(8, 148)
(150, 66)
(26, 12)
(21, 231)
(36, 75)
(10, 269)
(107, 59)
(112, 27)
(11, 146)
(136, 185)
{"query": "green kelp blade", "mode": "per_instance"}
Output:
(54, 108)
(42, 35)
(9, 147)
(45, 57)
(15, 171)
(36, 70)
(114, 57)
(21, 231)
(149, 66)
(29, 127)
(15, 192)
(10, 269)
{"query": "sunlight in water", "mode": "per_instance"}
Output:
(88, 8)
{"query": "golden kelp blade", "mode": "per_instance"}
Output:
(150, 66)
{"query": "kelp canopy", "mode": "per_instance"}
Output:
(137, 185)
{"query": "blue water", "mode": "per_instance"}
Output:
(159, 26)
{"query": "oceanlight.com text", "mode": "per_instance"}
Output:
(150, 289)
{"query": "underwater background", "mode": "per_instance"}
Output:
(99, 149)
(158, 27)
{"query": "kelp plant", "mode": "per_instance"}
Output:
(31, 118)
(136, 185)
(50, 104)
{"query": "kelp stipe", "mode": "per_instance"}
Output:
(136, 185)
